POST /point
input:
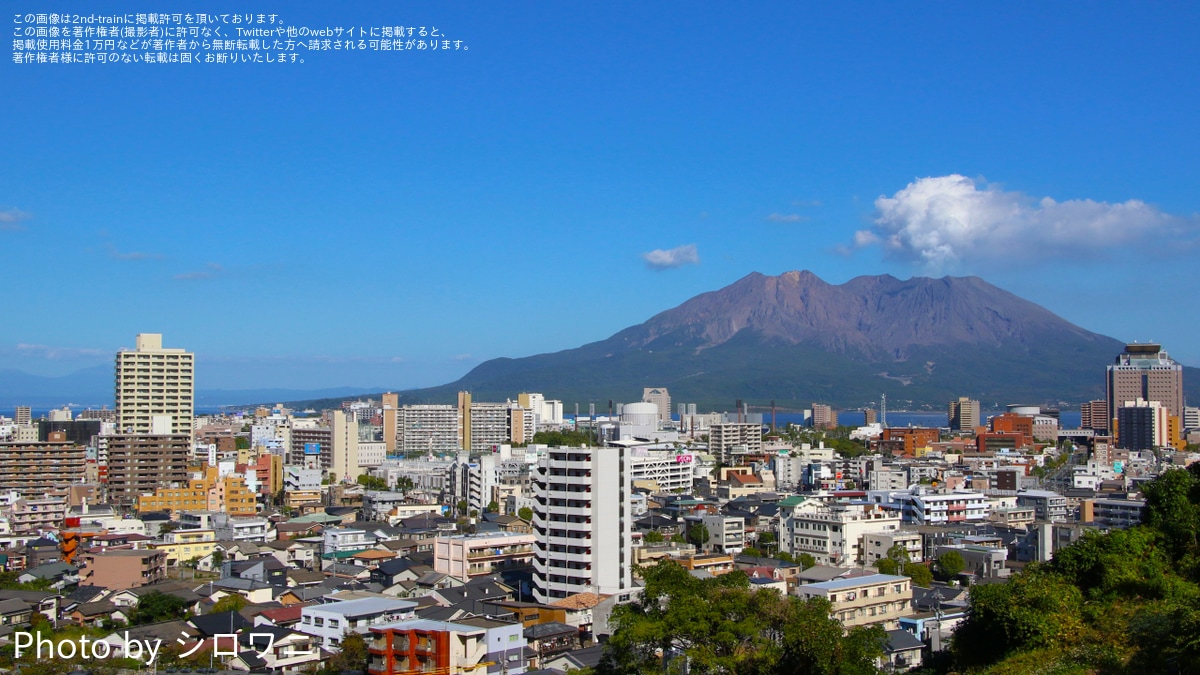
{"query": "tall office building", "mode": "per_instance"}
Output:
(963, 414)
(155, 388)
(1144, 371)
(23, 416)
(660, 397)
(582, 520)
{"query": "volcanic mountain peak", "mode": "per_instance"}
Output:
(872, 315)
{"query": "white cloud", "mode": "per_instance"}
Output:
(660, 259)
(10, 219)
(944, 220)
(210, 270)
(786, 217)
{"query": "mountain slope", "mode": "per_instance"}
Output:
(796, 339)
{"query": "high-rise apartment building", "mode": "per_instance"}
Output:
(1094, 415)
(141, 463)
(155, 388)
(32, 469)
(582, 519)
(427, 429)
(823, 416)
(1145, 371)
(732, 441)
(963, 414)
(23, 416)
(391, 411)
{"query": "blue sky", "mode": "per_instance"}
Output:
(393, 219)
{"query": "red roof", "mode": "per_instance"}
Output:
(282, 615)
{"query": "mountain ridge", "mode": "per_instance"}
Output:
(797, 339)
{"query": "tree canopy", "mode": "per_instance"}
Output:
(1126, 601)
(156, 606)
(723, 625)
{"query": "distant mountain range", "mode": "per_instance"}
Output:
(796, 339)
(792, 338)
(93, 388)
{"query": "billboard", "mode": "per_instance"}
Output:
(312, 448)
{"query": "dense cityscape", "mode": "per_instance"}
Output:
(517, 537)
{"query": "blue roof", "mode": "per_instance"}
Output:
(853, 582)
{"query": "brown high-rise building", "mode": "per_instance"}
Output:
(391, 410)
(141, 463)
(1094, 415)
(32, 469)
(823, 416)
(1145, 371)
(963, 414)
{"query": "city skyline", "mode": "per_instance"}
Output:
(581, 169)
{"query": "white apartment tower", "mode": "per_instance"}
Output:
(583, 523)
(155, 388)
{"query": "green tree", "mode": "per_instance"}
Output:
(525, 513)
(751, 551)
(372, 482)
(493, 507)
(767, 540)
(1171, 508)
(561, 439)
(155, 607)
(353, 655)
(950, 564)
(697, 535)
(722, 625)
(653, 537)
(785, 557)
(806, 561)
(893, 561)
(1031, 611)
(920, 574)
(241, 443)
(404, 484)
(229, 603)
(463, 507)
(678, 538)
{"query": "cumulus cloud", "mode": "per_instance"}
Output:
(942, 221)
(210, 270)
(660, 259)
(786, 217)
(10, 219)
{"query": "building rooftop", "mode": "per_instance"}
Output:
(366, 606)
(852, 582)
